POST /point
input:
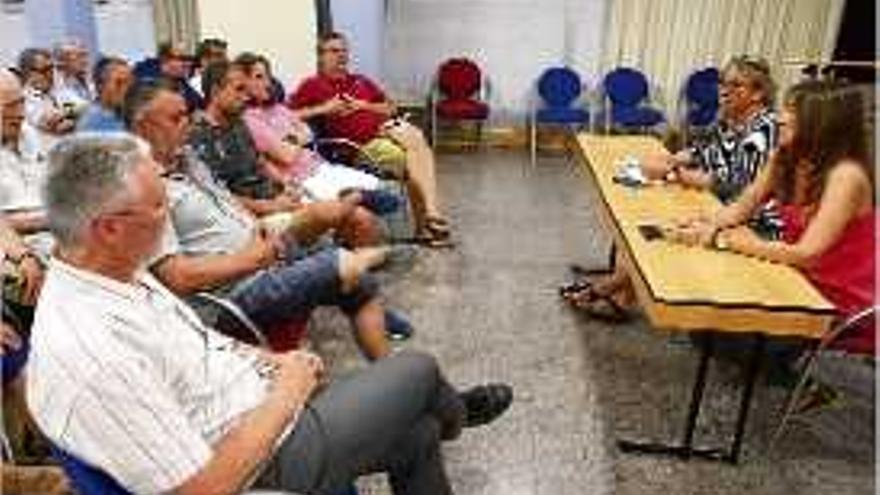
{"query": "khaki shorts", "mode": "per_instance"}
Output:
(387, 154)
(285, 223)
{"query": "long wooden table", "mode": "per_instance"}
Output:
(694, 289)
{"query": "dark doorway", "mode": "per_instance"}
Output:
(855, 41)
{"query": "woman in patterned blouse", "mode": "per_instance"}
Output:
(725, 160)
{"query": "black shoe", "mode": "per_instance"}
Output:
(485, 403)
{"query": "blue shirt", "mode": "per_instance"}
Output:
(98, 118)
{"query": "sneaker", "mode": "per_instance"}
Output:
(397, 328)
(379, 201)
(485, 403)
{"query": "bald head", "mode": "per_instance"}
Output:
(11, 108)
(10, 87)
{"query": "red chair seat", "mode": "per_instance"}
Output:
(462, 108)
(288, 335)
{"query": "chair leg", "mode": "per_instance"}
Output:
(533, 142)
(794, 397)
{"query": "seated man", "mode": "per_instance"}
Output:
(209, 51)
(213, 242)
(124, 376)
(112, 77)
(174, 65)
(352, 106)
(280, 135)
(22, 170)
(43, 111)
(72, 87)
(222, 140)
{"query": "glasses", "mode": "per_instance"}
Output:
(45, 69)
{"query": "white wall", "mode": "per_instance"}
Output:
(125, 28)
(14, 36)
(512, 40)
(363, 23)
(284, 31)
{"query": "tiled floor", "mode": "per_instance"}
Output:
(489, 311)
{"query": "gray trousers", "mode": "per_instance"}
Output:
(386, 417)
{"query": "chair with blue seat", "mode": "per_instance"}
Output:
(625, 91)
(559, 88)
(213, 310)
(700, 108)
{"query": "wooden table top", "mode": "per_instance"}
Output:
(694, 288)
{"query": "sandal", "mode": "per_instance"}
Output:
(438, 226)
(569, 290)
(602, 307)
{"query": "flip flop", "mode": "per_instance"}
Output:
(438, 226)
(572, 288)
(603, 307)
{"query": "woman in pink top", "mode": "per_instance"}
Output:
(279, 135)
(821, 177)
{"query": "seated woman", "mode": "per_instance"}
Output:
(725, 161)
(821, 177)
(280, 135)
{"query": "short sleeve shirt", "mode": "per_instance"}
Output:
(734, 156)
(232, 156)
(360, 126)
(125, 377)
(204, 217)
(99, 119)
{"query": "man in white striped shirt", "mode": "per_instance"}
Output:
(125, 377)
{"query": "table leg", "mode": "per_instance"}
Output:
(686, 450)
(751, 377)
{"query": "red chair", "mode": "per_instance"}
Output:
(458, 94)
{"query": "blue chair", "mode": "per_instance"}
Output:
(559, 88)
(86, 478)
(626, 89)
(701, 97)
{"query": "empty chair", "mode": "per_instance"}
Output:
(625, 91)
(459, 94)
(701, 97)
(559, 88)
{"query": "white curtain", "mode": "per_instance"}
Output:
(177, 21)
(512, 41)
(669, 39)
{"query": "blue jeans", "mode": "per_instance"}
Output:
(298, 286)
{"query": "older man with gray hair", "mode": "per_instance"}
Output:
(22, 167)
(124, 376)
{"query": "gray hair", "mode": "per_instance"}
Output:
(28, 57)
(88, 173)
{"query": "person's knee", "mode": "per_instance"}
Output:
(419, 366)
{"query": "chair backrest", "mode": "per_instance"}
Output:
(625, 86)
(459, 78)
(701, 87)
(559, 86)
(85, 478)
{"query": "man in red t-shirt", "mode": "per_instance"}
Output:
(354, 107)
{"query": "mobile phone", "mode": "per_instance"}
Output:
(651, 232)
